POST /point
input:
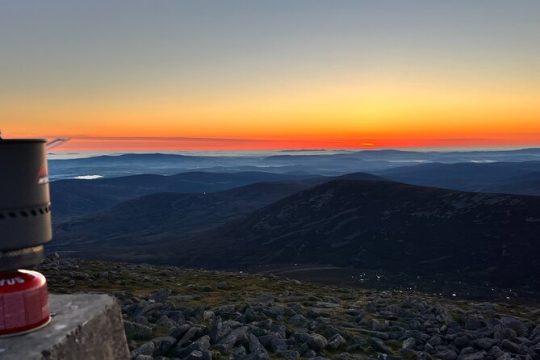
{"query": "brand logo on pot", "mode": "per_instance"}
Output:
(43, 175)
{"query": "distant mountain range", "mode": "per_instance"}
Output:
(329, 163)
(78, 197)
(358, 221)
(504, 177)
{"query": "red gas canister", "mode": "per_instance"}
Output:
(23, 302)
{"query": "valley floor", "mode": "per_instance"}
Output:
(437, 285)
(174, 313)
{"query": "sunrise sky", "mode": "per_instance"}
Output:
(248, 74)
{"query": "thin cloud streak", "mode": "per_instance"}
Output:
(161, 138)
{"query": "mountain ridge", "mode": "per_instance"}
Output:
(372, 224)
(387, 225)
(78, 197)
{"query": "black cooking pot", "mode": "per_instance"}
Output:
(25, 212)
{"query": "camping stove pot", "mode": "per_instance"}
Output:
(25, 214)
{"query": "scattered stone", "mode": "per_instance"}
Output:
(461, 341)
(299, 320)
(256, 349)
(337, 341)
(495, 352)
(314, 341)
(292, 320)
(535, 334)
(239, 352)
(188, 336)
(515, 324)
(273, 343)
(447, 354)
(377, 334)
(510, 346)
(429, 348)
(143, 357)
(309, 354)
(474, 323)
(317, 342)
(501, 332)
(236, 335)
(195, 355)
(145, 349)
(202, 345)
(290, 355)
(408, 354)
(408, 343)
(226, 310)
(163, 344)
(137, 331)
(379, 345)
(78, 275)
(180, 331)
(208, 315)
(161, 295)
(467, 350)
(474, 356)
(435, 340)
(165, 322)
(485, 343)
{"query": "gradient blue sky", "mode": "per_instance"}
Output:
(294, 72)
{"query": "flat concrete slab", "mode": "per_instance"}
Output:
(84, 326)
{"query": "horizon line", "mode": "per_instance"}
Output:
(402, 149)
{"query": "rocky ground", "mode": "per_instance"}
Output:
(173, 313)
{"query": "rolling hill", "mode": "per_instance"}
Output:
(356, 221)
(79, 197)
(150, 219)
(384, 225)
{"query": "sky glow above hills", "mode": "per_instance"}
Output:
(161, 75)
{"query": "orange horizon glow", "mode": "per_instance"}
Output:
(359, 75)
(342, 118)
(119, 144)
